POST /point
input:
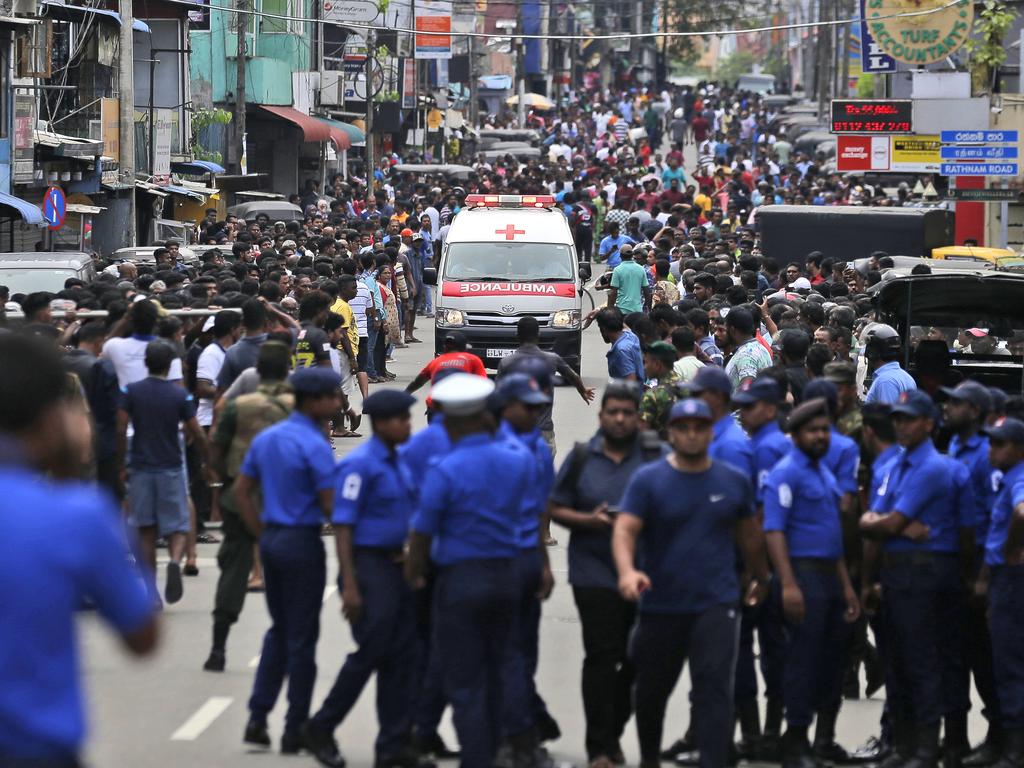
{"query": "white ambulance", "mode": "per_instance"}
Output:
(505, 257)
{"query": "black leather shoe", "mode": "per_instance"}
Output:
(873, 750)
(434, 745)
(748, 747)
(322, 746)
(547, 729)
(216, 661)
(691, 757)
(678, 746)
(256, 733)
(291, 743)
(831, 752)
(983, 755)
(406, 758)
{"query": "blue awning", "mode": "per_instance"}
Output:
(31, 214)
(73, 12)
(197, 167)
(183, 191)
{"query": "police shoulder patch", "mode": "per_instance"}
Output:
(353, 484)
(785, 496)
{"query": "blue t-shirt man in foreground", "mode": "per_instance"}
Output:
(674, 545)
(63, 543)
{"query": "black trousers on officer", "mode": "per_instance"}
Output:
(294, 572)
(430, 698)
(661, 644)
(474, 603)
(234, 558)
(766, 619)
(924, 660)
(812, 673)
(1006, 617)
(979, 655)
(607, 621)
(523, 705)
(386, 636)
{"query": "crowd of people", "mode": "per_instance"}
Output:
(762, 465)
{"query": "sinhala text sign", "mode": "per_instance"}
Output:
(922, 38)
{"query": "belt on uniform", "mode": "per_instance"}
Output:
(392, 553)
(915, 557)
(282, 527)
(820, 564)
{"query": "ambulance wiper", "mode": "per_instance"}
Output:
(550, 279)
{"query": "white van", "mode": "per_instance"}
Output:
(507, 256)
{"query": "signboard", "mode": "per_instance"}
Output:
(916, 154)
(435, 17)
(349, 11)
(162, 129)
(979, 137)
(409, 83)
(23, 169)
(979, 153)
(979, 169)
(985, 195)
(922, 32)
(110, 120)
(872, 116)
(55, 208)
(888, 154)
(873, 57)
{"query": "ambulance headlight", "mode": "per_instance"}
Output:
(566, 318)
(450, 318)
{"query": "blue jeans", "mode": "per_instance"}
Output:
(294, 572)
(386, 636)
(371, 346)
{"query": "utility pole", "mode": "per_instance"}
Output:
(474, 106)
(371, 43)
(824, 57)
(520, 71)
(126, 128)
(242, 19)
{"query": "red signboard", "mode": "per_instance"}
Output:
(872, 116)
(563, 290)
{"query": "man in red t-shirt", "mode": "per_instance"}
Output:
(455, 357)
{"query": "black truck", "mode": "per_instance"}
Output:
(850, 232)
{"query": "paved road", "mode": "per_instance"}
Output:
(166, 711)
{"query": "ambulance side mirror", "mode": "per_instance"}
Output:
(430, 276)
(585, 272)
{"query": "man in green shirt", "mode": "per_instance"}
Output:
(629, 286)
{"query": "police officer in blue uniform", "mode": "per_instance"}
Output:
(917, 521)
(966, 408)
(467, 522)
(728, 443)
(1002, 578)
(374, 498)
(293, 465)
(63, 544)
(680, 522)
(757, 400)
(522, 400)
(805, 542)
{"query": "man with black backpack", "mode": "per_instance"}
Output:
(588, 488)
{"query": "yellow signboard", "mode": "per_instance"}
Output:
(919, 31)
(916, 150)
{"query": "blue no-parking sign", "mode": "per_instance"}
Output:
(55, 207)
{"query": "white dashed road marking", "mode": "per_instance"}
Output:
(202, 719)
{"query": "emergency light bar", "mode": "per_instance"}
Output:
(511, 201)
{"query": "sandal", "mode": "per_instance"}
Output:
(255, 586)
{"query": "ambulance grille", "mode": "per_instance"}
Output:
(496, 319)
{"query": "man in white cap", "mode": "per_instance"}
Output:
(468, 510)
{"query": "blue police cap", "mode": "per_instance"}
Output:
(914, 403)
(521, 387)
(690, 408)
(710, 378)
(315, 381)
(1008, 430)
(385, 403)
(970, 392)
(823, 388)
(534, 366)
(998, 400)
(763, 388)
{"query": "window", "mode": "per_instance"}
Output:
(34, 51)
(293, 8)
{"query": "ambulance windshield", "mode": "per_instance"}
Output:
(521, 262)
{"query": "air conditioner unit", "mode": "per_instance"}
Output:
(332, 88)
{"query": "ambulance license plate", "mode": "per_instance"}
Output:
(500, 352)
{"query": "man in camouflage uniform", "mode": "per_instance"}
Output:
(659, 361)
(242, 419)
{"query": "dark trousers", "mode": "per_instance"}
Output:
(661, 644)
(584, 246)
(523, 705)
(386, 636)
(198, 488)
(294, 572)
(234, 558)
(979, 656)
(812, 672)
(1006, 617)
(430, 697)
(474, 605)
(767, 620)
(606, 620)
(924, 659)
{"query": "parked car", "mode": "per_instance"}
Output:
(31, 271)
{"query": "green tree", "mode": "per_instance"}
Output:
(202, 119)
(985, 50)
(732, 66)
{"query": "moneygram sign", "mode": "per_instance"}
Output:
(919, 32)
